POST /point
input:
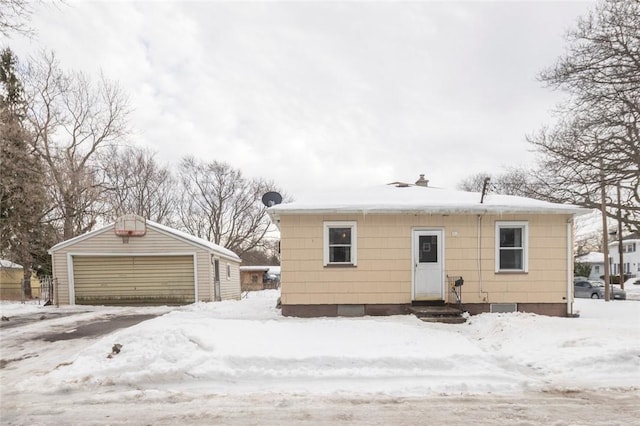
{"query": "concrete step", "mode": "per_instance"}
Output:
(444, 314)
(428, 303)
(435, 311)
(445, 320)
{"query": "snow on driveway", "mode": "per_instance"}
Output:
(246, 347)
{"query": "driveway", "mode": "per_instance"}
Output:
(98, 328)
(37, 341)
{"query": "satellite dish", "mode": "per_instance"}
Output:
(271, 199)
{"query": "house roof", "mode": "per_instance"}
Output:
(417, 199)
(613, 241)
(254, 268)
(272, 269)
(591, 257)
(4, 263)
(207, 245)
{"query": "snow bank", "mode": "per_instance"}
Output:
(247, 346)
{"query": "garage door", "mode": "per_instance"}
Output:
(133, 280)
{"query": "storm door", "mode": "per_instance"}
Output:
(428, 276)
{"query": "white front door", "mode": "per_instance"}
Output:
(428, 277)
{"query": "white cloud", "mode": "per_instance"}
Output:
(318, 95)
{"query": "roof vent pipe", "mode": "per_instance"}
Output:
(485, 187)
(422, 181)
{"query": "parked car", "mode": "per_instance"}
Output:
(632, 281)
(595, 290)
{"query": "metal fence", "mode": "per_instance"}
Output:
(48, 287)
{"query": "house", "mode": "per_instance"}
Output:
(596, 261)
(11, 275)
(134, 261)
(377, 251)
(630, 255)
(254, 278)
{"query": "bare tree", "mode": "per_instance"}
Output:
(596, 141)
(136, 183)
(220, 205)
(71, 119)
(264, 255)
(511, 182)
(14, 15)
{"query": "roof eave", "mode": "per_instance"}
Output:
(79, 238)
(194, 242)
(150, 224)
(275, 215)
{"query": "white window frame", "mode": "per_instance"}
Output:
(228, 271)
(524, 225)
(354, 241)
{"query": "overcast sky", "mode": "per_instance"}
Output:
(323, 95)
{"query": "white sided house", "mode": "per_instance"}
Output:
(594, 259)
(380, 250)
(630, 256)
(139, 262)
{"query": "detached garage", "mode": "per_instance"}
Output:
(139, 262)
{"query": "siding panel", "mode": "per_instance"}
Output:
(384, 270)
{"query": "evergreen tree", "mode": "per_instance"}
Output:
(22, 191)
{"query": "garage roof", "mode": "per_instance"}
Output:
(199, 242)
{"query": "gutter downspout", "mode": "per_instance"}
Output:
(479, 257)
(570, 268)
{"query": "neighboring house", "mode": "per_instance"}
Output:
(596, 261)
(137, 262)
(275, 270)
(377, 251)
(11, 275)
(254, 278)
(630, 255)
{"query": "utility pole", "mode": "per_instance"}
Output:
(619, 217)
(605, 238)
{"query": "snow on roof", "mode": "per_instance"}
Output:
(196, 240)
(417, 199)
(208, 245)
(4, 263)
(275, 270)
(592, 257)
(254, 268)
(270, 268)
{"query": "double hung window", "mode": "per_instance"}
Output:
(511, 246)
(340, 243)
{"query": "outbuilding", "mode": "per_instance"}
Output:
(134, 261)
(11, 277)
(253, 278)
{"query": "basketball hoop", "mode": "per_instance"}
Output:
(130, 225)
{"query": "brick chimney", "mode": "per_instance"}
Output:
(422, 181)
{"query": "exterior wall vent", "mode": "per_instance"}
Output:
(503, 308)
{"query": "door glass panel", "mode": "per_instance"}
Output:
(428, 249)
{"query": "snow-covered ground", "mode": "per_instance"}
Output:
(231, 351)
(632, 289)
